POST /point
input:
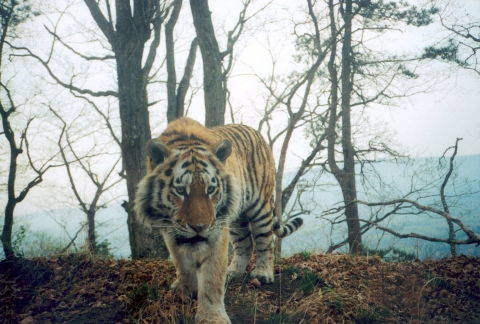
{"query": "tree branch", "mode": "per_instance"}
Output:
(473, 237)
(87, 58)
(63, 84)
(105, 26)
(187, 76)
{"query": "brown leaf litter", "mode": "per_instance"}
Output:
(329, 288)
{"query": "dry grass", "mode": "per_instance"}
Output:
(317, 289)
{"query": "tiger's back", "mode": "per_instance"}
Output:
(251, 162)
(253, 165)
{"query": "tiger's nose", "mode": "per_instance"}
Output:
(198, 227)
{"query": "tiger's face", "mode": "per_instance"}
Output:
(197, 193)
(188, 192)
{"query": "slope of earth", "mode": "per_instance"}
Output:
(308, 289)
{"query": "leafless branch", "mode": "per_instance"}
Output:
(105, 118)
(152, 53)
(85, 57)
(72, 241)
(472, 236)
(54, 76)
(105, 25)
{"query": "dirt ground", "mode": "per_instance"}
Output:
(308, 289)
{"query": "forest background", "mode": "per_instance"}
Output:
(414, 92)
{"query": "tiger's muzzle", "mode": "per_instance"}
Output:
(197, 213)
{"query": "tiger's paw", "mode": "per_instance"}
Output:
(212, 318)
(177, 285)
(263, 276)
(233, 274)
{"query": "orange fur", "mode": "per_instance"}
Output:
(202, 184)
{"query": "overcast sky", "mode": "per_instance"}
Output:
(427, 123)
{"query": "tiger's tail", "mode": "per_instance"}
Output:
(286, 229)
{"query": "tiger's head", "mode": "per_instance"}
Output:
(187, 193)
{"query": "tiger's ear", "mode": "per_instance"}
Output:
(222, 150)
(156, 150)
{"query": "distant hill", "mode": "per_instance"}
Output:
(58, 226)
(315, 234)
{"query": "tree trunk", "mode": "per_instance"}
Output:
(172, 112)
(451, 229)
(213, 80)
(278, 184)
(131, 35)
(176, 97)
(14, 152)
(12, 172)
(185, 82)
(346, 176)
(133, 109)
(91, 240)
(349, 193)
(348, 184)
(7, 231)
(133, 30)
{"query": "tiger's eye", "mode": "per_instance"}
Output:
(210, 190)
(180, 190)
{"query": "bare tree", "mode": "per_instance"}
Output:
(352, 78)
(213, 85)
(298, 87)
(354, 72)
(176, 96)
(451, 231)
(214, 73)
(345, 176)
(13, 199)
(127, 32)
(13, 14)
(128, 40)
(431, 195)
(101, 183)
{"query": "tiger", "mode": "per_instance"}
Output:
(204, 188)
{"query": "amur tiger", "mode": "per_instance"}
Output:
(202, 188)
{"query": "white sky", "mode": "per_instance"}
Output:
(427, 123)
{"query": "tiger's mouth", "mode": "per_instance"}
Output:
(182, 240)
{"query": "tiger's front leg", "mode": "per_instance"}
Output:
(186, 280)
(211, 275)
(241, 238)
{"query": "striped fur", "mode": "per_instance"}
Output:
(202, 187)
